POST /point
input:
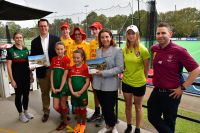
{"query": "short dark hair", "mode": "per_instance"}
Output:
(164, 24)
(42, 20)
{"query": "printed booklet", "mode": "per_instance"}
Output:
(96, 64)
(37, 61)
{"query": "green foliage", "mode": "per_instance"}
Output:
(185, 22)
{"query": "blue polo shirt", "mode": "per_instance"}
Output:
(168, 65)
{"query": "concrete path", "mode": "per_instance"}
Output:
(9, 122)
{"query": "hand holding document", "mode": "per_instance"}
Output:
(95, 65)
(37, 61)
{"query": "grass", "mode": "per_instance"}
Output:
(182, 126)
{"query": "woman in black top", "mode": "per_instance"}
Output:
(19, 73)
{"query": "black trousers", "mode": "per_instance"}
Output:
(107, 100)
(22, 96)
(162, 111)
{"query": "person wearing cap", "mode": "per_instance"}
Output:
(65, 37)
(79, 37)
(169, 85)
(95, 28)
(136, 64)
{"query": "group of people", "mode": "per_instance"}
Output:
(66, 74)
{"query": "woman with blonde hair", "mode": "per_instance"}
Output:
(136, 64)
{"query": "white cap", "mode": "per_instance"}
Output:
(133, 28)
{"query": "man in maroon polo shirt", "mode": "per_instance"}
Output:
(168, 62)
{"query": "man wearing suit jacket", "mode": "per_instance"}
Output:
(44, 44)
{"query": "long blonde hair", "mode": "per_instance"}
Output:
(136, 43)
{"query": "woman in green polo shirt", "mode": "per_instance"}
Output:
(19, 73)
(136, 64)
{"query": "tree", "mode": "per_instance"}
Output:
(13, 27)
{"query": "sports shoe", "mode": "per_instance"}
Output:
(137, 130)
(28, 115)
(114, 130)
(23, 118)
(105, 130)
(77, 128)
(94, 117)
(99, 121)
(82, 129)
(128, 129)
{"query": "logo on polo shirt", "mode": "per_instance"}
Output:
(170, 57)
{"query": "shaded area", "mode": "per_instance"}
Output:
(11, 11)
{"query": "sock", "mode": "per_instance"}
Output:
(97, 110)
(83, 113)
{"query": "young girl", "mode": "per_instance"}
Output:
(59, 70)
(78, 83)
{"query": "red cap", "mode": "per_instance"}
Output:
(96, 25)
(64, 25)
(81, 31)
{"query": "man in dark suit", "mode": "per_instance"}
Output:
(44, 44)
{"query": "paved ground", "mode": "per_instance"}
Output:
(9, 122)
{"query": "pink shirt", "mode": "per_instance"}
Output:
(168, 65)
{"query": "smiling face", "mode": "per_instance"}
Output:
(131, 36)
(43, 28)
(77, 58)
(78, 36)
(163, 35)
(94, 31)
(65, 31)
(18, 38)
(60, 50)
(105, 39)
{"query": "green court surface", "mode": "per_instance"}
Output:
(193, 47)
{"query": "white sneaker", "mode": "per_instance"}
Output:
(114, 130)
(28, 115)
(23, 118)
(104, 130)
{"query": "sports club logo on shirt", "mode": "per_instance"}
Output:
(170, 57)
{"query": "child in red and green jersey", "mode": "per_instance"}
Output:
(78, 84)
(59, 71)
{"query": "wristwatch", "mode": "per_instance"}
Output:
(183, 87)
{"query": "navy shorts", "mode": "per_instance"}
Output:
(137, 91)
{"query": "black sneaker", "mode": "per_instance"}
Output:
(94, 117)
(99, 121)
(137, 130)
(128, 129)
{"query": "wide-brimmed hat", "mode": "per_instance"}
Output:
(96, 25)
(64, 25)
(133, 28)
(81, 31)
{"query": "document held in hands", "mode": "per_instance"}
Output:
(96, 64)
(37, 61)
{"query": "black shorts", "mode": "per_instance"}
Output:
(137, 91)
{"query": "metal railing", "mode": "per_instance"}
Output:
(145, 106)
